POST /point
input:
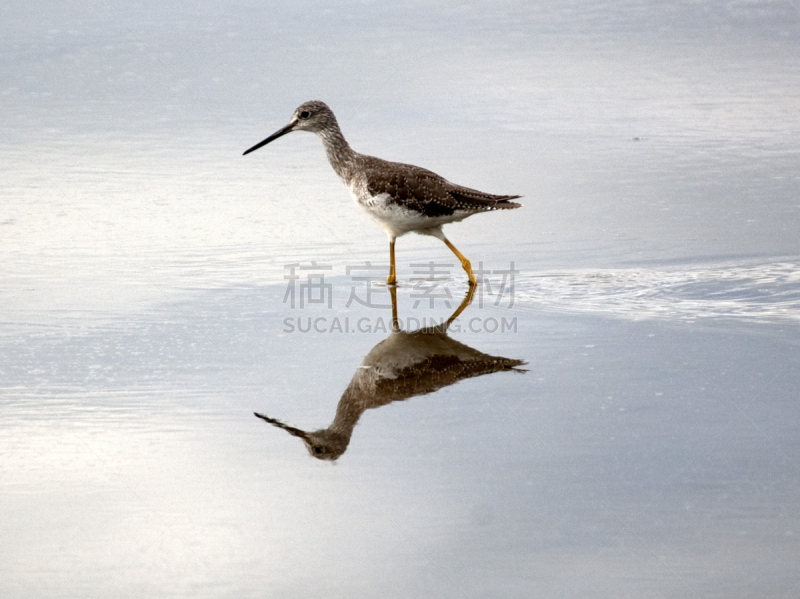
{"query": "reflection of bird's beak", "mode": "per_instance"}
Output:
(280, 132)
(289, 429)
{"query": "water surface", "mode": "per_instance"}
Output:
(646, 448)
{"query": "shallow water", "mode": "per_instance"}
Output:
(646, 448)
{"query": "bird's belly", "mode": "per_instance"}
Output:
(398, 220)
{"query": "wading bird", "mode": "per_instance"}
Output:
(401, 198)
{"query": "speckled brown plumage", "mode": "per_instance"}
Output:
(426, 192)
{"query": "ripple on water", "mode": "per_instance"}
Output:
(753, 292)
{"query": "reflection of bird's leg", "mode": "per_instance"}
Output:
(464, 303)
(464, 262)
(392, 277)
(395, 323)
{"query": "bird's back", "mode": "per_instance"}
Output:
(423, 191)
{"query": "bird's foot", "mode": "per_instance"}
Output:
(468, 269)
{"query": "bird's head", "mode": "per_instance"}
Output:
(313, 116)
(324, 444)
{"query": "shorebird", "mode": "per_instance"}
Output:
(401, 198)
(403, 365)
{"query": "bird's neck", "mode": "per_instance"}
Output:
(348, 411)
(340, 154)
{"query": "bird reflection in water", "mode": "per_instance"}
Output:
(401, 366)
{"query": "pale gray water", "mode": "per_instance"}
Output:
(650, 450)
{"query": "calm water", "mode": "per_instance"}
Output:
(647, 447)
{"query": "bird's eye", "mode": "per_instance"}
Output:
(305, 114)
(317, 449)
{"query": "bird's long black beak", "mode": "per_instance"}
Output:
(287, 129)
(295, 432)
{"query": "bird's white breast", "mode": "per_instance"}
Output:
(395, 218)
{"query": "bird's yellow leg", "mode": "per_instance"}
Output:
(464, 303)
(395, 322)
(392, 278)
(464, 262)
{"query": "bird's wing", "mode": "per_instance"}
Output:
(429, 193)
(414, 187)
(480, 199)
